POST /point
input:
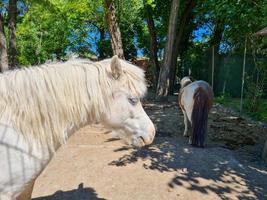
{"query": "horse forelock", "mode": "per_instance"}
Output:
(133, 79)
(43, 102)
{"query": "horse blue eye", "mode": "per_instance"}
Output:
(133, 101)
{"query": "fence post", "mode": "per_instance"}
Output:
(243, 76)
(212, 68)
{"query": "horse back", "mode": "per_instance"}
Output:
(189, 90)
(187, 95)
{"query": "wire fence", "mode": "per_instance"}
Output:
(225, 71)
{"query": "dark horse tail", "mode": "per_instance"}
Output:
(200, 117)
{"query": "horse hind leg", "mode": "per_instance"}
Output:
(27, 192)
(187, 125)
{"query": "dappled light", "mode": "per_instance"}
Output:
(205, 170)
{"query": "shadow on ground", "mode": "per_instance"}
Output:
(201, 169)
(80, 193)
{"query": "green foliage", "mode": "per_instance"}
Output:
(37, 39)
(52, 28)
(256, 80)
(129, 21)
(195, 59)
(254, 93)
(223, 98)
(240, 18)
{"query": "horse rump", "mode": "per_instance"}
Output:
(199, 117)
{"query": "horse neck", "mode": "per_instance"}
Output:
(88, 100)
(53, 101)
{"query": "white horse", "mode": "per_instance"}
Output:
(41, 106)
(195, 100)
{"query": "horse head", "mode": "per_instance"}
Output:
(185, 81)
(127, 117)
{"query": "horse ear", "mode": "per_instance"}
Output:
(116, 67)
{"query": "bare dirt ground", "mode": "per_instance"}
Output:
(92, 165)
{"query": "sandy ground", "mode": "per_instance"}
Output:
(92, 165)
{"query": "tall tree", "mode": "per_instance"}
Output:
(184, 22)
(153, 38)
(3, 49)
(164, 76)
(114, 29)
(12, 13)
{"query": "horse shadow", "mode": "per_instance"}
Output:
(215, 165)
(80, 193)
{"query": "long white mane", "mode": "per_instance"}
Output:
(44, 102)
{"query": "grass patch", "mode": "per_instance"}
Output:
(234, 103)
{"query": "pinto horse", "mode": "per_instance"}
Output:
(195, 100)
(40, 107)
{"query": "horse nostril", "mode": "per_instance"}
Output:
(142, 139)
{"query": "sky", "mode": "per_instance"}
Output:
(202, 33)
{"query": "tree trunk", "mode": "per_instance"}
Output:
(153, 41)
(185, 21)
(215, 44)
(114, 29)
(164, 76)
(3, 49)
(12, 12)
